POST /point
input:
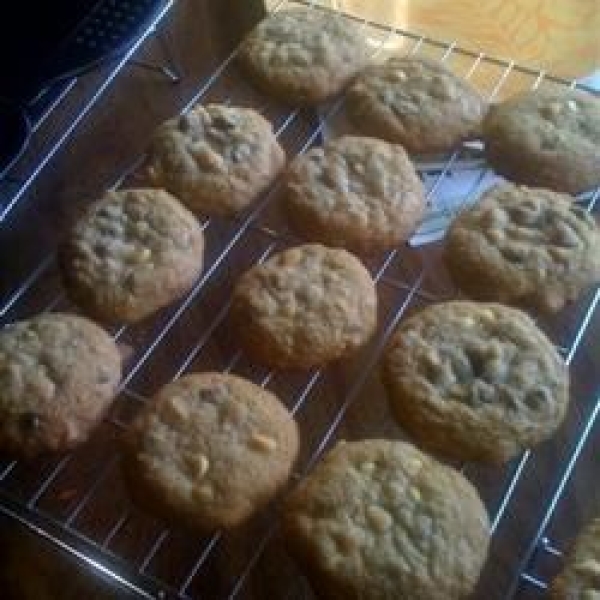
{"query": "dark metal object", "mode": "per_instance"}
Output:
(68, 39)
(15, 128)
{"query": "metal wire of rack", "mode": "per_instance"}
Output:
(77, 500)
(544, 545)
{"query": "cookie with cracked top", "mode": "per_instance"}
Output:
(359, 193)
(209, 450)
(380, 519)
(546, 138)
(304, 307)
(59, 374)
(133, 252)
(304, 55)
(531, 247)
(579, 578)
(416, 102)
(475, 381)
(216, 159)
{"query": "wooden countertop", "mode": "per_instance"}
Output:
(560, 36)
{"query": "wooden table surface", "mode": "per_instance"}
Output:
(558, 36)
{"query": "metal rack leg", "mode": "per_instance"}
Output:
(169, 69)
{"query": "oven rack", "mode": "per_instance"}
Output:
(43, 498)
(17, 181)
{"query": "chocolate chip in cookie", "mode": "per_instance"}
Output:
(358, 193)
(579, 578)
(530, 247)
(59, 374)
(133, 252)
(304, 307)
(415, 102)
(209, 450)
(547, 139)
(475, 381)
(380, 519)
(304, 55)
(216, 159)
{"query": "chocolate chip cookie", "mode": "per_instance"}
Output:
(547, 139)
(580, 576)
(380, 519)
(304, 55)
(525, 246)
(304, 307)
(216, 159)
(475, 381)
(358, 193)
(132, 253)
(59, 373)
(415, 102)
(209, 450)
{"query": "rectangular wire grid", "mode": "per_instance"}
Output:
(78, 501)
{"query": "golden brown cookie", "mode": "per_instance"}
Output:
(525, 246)
(358, 193)
(209, 450)
(304, 55)
(216, 159)
(59, 373)
(415, 102)
(475, 381)
(304, 307)
(379, 519)
(547, 139)
(580, 575)
(132, 253)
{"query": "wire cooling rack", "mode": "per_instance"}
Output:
(78, 502)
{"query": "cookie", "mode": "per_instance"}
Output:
(357, 193)
(59, 373)
(547, 139)
(580, 575)
(133, 252)
(475, 381)
(209, 450)
(304, 55)
(216, 159)
(304, 307)
(415, 102)
(530, 247)
(380, 519)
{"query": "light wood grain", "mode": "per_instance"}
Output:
(562, 36)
